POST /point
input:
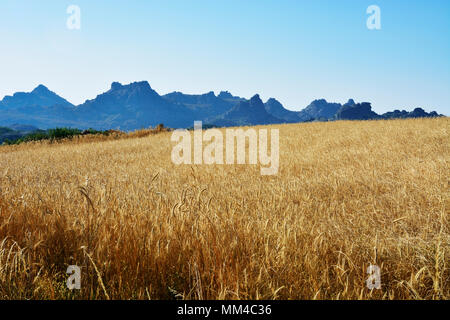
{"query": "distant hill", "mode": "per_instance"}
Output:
(40, 108)
(39, 97)
(247, 113)
(137, 105)
(416, 113)
(225, 95)
(363, 111)
(319, 110)
(23, 128)
(275, 108)
(356, 111)
(7, 133)
(133, 106)
(15, 131)
(206, 106)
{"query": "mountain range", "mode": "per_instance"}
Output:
(137, 105)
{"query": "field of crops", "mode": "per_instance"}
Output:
(347, 195)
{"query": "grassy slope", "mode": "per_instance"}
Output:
(348, 194)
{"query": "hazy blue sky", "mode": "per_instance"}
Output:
(295, 50)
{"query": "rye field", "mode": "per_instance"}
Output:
(347, 195)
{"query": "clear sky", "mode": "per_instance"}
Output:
(293, 50)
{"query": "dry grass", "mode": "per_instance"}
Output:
(348, 194)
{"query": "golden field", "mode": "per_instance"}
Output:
(347, 195)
